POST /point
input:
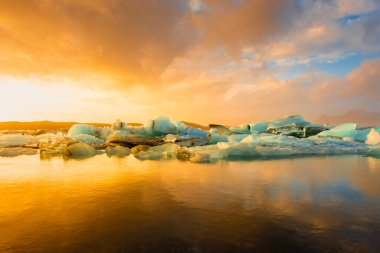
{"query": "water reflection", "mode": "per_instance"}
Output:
(323, 204)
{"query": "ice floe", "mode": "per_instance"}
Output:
(162, 138)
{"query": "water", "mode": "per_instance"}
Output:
(321, 204)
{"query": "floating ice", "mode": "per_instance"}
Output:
(103, 132)
(258, 127)
(268, 146)
(170, 138)
(215, 138)
(375, 152)
(242, 129)
(373, 138)
(78, 129)
(16, 151)
(89, 139)
(81, 150)
(137, 149)
(161, 126)
(164, 139)
(341, 131)
(17, 139)
(191, 132)
(118, 151)
(236, 137)
(82, 133)
(168, 150)
(295, 120)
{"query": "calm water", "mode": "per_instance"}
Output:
(323, 204)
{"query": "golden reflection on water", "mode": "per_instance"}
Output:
(65, 203)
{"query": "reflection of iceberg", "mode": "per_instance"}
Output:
(162, 138)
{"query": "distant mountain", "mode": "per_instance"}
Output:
(361, 117)
(42, 125)
(64, 126)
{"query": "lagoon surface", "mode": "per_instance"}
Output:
(101, 204)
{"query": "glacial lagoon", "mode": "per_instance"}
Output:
(110, 204)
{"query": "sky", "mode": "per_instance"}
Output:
(204, 61)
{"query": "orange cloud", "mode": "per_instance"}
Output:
(196, 60)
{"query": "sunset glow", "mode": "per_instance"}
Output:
(203, 61)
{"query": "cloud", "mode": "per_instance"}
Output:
(199, 59)
(133, 41)
(130, 40)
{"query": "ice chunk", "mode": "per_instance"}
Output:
(161, 126)
(49, 137)
(221, 130)
(200, 158)
(149, 155)
(81, 150)
(165, 151)
(268, 146)
(170, 138)
(10, 152)
(89, 139)
(17, 139)
(192, 132)
(295, 120)
(168, 150)
(103, 132)
(78, 129)
(373, 138)
(137, 149)
(242, 129)
(119, 151)
(258, 127)
(222, 145)
(341, 131)
(375, 152)
(239, 150)
(248, 139)
(236, 137)
(118, 125)
(215, 138)
(362, 134)
(131, 140)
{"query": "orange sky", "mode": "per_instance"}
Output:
(225, 61)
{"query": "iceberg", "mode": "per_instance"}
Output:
(373, 137)
(56, 148)
(375, 152)
(160, 126)
(165, 151)
(78, 129)
(81, 150)
(361, 135)
(89, 139)
(103, 132)
(119, 151)
(258, 127)
(242, 129)
(342, 131)
(81, 131)
(236, 137)
(17, 140)
(295, 120)
(163, 139)
(16, 151)
(137, 149)
(215, 138)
